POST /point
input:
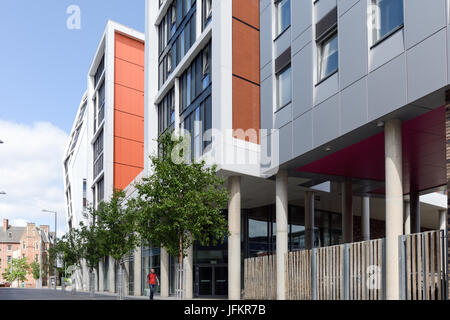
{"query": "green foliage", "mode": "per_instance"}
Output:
(180, 202)
(116, 224)
(17, 270)
(35, 270)
(89, 241)
(69, 248)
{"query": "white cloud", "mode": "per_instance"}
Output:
(31, 173)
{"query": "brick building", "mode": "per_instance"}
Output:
(31, 242)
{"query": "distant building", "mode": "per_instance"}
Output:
(29, 242)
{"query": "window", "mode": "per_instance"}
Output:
(388, 17)
(9, 247)
(8, 258)
(98, 155)
(99, 72)
(328, 56)
(100, 190)
(284, 84)
(207, 12)
(37, 258)
(166, 112)
(84, 194)
(23, 245)
(283, 15)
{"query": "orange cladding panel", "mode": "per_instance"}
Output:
(128, 110)
(248, 11)
(246, 101)
(130, 50)
(246, 52)
(246, 66)
(128, 126)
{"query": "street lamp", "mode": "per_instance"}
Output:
(1, 142)
(48, 211)
(2, 193)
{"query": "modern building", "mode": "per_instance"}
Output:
(347, 99)
(106, 147)
(327, 117)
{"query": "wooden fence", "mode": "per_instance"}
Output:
(355, 271)
(424, 268)
(260, 278)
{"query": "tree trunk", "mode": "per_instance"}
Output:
(121, 280)
(91, 282)
(180, 262)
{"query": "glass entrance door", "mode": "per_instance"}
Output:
(205, 280)
(211, 280)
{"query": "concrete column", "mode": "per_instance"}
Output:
(85, 276)
(126, 278)
(394, 205)
(164, 277)
(365, 218)
(309, 219)
(188, 265)
(407, 217)
(234, 240)
(112, 275)
(443, 219)
(415, 212)
(347, 212)
(138, 272)
(101, 276)
(282, 231)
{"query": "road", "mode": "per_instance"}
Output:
(46, 294)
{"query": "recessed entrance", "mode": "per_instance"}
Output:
(211, 280)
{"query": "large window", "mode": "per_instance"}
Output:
(98, 155)
(196, 78)
(207, 12)
(328, 56)
(283, 15)
(166, 112)
(284, 84)
(388, 17)
(177, 34)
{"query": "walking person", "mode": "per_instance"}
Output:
(152, 279)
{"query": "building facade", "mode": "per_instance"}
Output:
(327, 117)
(347, 99)
(30, 242)
(106, 147)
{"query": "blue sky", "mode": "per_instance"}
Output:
(43, 64)
(43, 74)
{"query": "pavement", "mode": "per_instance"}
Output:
(51, 294)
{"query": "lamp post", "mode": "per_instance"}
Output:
(55, 236)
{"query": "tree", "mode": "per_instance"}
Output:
(90, 247)
(181, 202)
(69, 249)
(17, 270)
(35, 270)
(116, 223)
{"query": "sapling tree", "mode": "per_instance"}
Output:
(116, 224)
(181, 201)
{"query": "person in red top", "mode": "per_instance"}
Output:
(152, 279)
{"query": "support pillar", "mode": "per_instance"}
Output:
(347, 212)
(394, 205)
(443, 219)
(188, 265)
(234, 240)
(112, 275)
(415, 212)
(137, 282)
(309, 219)
(101, 277)
(447, 165)
(282, 231)
(407, 217)
(164, 277)
(365, 218)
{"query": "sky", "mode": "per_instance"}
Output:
(43, 75)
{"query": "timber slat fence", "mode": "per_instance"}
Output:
(355, 271)
(260, 278)
(423, 273)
